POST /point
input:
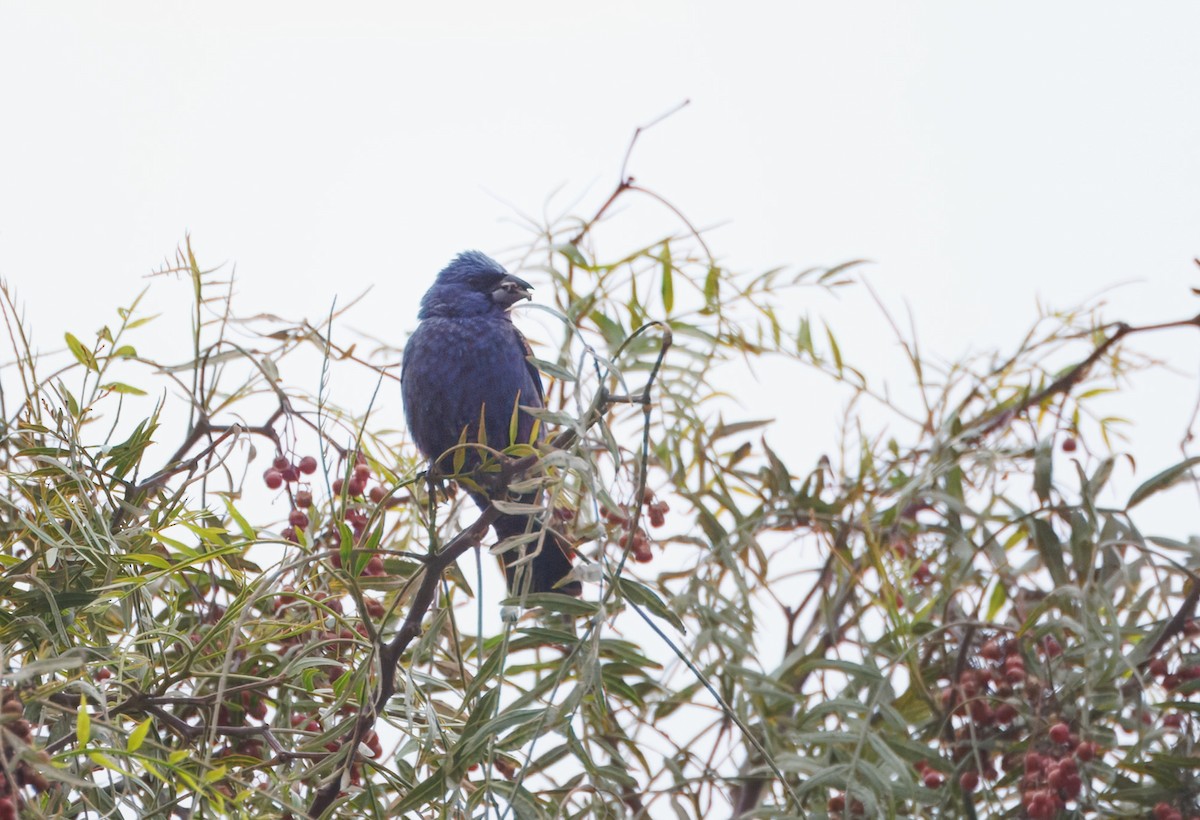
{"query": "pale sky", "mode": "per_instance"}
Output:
(983, 155)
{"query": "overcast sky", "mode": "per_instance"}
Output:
(983, 155)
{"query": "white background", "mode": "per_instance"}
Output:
(985, 156)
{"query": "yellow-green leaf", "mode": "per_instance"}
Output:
(118, 387)
(138, 736)
(668, 283)
(83, 722)
(81, 353)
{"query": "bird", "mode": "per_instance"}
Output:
(465, 363)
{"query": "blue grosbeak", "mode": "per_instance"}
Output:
(467, 362)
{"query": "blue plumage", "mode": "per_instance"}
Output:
(466, 355)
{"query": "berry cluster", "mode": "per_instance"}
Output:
(635, 539)
(284, 471)
(356, 512)
(1001, 703)
(838, 805)
(1050, 777)
(16, 773)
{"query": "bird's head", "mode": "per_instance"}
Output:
(473, 285)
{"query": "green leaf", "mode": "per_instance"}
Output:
(83, 722)
(138, 735)
(612, 331)
(127, 389)
(668, 283)
(551, 369)
(712, 288)
(1043, 463)
(722, 429)
(1050, 548)
(804, 342)
(556, 602)
(124, 352)
(572, 253)
(997, 600)
(141, 321)
(1162, 481)
(644, 596)
(247, 531)
(835, 350)
(81, 353)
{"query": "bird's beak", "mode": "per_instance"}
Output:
(511, 290)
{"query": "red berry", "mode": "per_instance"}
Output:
(1157, 667)
(355, 487)
(1060, 732)
(337, 486)
(298, 519)
(377, 494)
(273, 479)
(281, 463)
(103, 673)
(1085, 751)
(990, 650)
(1005, 713)
(1069, 445)
(837, 804)
(932, 779)
(1173, 721)
(290, 474)
(969, 781)
(304, 499)
(308, 465)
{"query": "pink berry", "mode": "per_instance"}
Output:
(1060, 732)
(308, 465)
(273, 479)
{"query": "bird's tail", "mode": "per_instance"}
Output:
(550, 564)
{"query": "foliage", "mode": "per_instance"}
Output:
(945, 619)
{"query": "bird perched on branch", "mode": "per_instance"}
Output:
(465, 363)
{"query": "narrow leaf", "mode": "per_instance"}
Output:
(81, 353)
(1163, 480)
